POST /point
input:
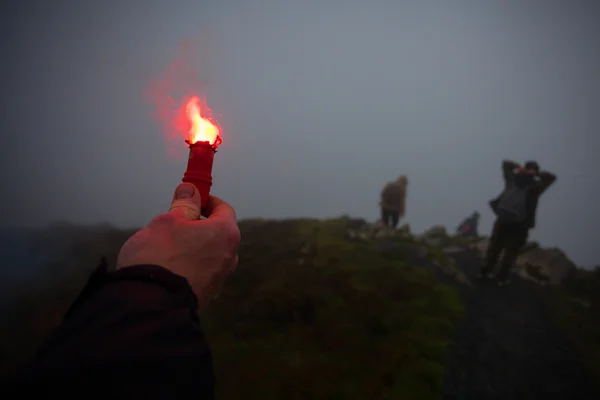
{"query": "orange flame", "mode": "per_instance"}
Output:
(194, 122)
(201, 129)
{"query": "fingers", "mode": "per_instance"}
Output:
(219, 209)
(221, 216)
(186, 202)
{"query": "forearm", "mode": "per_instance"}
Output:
(510, 164)
(508, 168)
(139, 329)
(546, 179)
(547, 176)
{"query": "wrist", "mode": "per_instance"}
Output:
(148, 274)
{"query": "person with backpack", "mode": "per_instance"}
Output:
(393, 202)
(468, 228)
(515, 210)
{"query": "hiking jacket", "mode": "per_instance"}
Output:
(472, 223)
(546, 179)
(393, 197)
(131, 334)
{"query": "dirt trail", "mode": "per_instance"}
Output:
(509, 347)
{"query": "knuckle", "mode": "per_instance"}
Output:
(227, 233)
(165, 219)
(234, 235)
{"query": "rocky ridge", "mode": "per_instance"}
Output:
(544, 266)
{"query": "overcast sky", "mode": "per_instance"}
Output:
(322, 103)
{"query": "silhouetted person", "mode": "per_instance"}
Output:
(468, 228)
(135, 333)
(393, 202)
(515, 210)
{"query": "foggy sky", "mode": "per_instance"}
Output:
(322, 103)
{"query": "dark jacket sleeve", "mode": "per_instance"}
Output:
(546, 180)
(508, 168)
(133, 333)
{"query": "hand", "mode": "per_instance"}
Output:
(523, 170)
(202, 251)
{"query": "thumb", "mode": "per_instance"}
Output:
(186, 202)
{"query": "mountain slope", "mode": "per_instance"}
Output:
(510, 346)
(342, 309)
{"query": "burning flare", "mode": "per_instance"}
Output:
(201, 128)
(203, 140)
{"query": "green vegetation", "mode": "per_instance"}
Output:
(576, 303)
(465, 241)
(311, 315)
(307, 314)
(437, 254)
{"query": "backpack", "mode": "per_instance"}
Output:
(466, 227)
(511, 206)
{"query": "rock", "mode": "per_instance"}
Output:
(529, 246)
(436, 231)
(379, 230)
(361, 230)
(453, 249)
(382, 233)
(544, 265)
(451, 269)
(482, 245)
(432, 241)
(356, 224)
(379, 225)
(436, 236)
(363, 235)
(534, 273)
(354, 236)
(405, 228)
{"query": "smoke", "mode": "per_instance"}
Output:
(185, 76)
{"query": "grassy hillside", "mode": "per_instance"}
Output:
(308, 314)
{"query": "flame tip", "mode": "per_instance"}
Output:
(202, 128)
